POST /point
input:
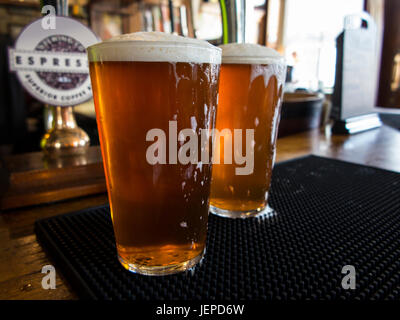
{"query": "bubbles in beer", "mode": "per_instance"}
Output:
(250, 89)
(142, 82)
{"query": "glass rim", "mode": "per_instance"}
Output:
(187, 51)
(236, 59)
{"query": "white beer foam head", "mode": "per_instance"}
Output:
(248, 53)
(154, 46)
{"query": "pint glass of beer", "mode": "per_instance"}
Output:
(153, 92)
(250, 94)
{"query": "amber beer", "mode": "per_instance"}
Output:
(250, 94)
(140, 82)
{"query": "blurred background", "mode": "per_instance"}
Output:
(304, 31)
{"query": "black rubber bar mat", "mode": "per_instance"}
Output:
(329, 214)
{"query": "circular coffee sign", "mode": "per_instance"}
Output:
(52, 63)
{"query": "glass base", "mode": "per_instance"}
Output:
(161, 270)
(265, 212)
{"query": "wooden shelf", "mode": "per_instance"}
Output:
(34, 179)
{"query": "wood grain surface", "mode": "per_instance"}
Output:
(34, 179)
(22, 258)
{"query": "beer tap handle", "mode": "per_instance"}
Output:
(233, 13)
(63, 137)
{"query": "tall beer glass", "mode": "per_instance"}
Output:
(250, 94)
(147, 87)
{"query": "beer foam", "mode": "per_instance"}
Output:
(156, 47)
(248, 53)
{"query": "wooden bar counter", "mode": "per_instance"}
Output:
(22, 258)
